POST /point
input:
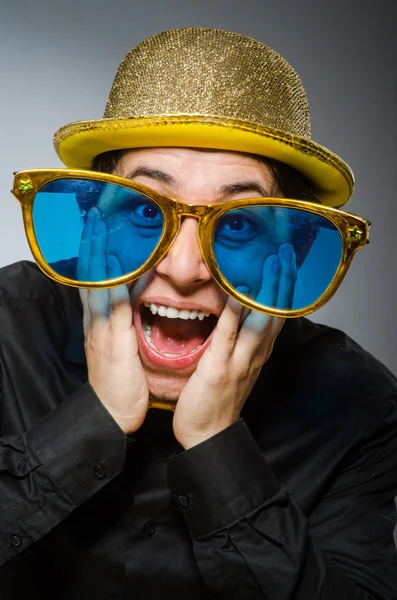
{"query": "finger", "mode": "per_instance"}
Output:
(83, 260)
(288, 276)
(86, 310)
(267, 294)
(226, 331)
(121, 315)
(257, 336)
(98, 299)
(83, 265)
(256, 322)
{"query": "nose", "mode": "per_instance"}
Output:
(183, 264)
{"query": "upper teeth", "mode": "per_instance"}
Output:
(173, 313)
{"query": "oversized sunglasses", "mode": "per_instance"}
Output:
(279, 256)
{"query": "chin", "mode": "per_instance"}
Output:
(165, 389)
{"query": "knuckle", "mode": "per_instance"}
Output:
(221, 379)
(94, 342)
(289, 274)
(114, 307)
(245, 371)
(91, 345)
(117, 305)
(229, 334)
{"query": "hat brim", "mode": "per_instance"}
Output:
(77, 144)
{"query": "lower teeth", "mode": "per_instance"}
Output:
(146, 330)
(146, 327)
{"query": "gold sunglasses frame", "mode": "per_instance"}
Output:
(354, 231)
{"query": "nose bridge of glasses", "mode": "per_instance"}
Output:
(183, 209)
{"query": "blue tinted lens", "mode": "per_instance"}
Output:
(283, 258)
(79, 223)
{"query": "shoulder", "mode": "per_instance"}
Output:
(325, 352)
(38, 317)
(24, 281)
(34, 309)
(322, 376)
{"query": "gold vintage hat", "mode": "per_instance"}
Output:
(208, 88)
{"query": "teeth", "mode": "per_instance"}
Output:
(146, 330)
(173, 313)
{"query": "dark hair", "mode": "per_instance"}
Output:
(290, 181)
(107, 161)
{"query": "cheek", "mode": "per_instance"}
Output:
(131, 245)
(244, 267)
(136, 288)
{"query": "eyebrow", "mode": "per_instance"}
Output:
(242, 186)
(154, 174)
(225, 190)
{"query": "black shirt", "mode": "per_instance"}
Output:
(292, 502)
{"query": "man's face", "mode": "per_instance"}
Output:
(170, 346)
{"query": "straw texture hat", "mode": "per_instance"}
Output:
(208, 88)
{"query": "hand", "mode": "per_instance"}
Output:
(216, 392)
(115, 371)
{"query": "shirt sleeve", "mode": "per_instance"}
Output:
(252, 542)
(55, 467)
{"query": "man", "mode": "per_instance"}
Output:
(273, 473)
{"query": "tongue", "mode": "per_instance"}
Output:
(176, 336)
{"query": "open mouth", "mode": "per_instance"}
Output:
(175, 333)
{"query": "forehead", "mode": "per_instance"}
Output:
(189, 166)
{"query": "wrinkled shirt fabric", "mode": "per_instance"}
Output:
(295, 501)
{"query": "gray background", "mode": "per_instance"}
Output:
(57, 61)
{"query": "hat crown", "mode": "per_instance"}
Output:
(209, 72)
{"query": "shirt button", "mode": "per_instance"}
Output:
(149, 529)
(16, 541)
(99, 472)
(184, 501)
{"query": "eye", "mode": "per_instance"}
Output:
(147, 211)
(236, 226)
(118, 202)
(236, 223)
(145, 214)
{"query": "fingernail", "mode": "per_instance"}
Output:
(276, 265)
(93, 213)
(272, 263)
(286, 251)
